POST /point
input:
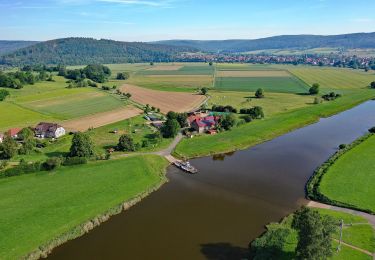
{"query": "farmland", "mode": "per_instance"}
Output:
(166, 101)
(49, 204)
(351, 178)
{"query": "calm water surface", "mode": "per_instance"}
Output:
(215, 213)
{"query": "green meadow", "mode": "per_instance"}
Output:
(37, 208)
(351, 178)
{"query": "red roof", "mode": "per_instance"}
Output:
(14, 131)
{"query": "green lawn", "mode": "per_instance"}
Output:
(262, 130)
(351, 178)
(36, 208)
(334, 79)
(270, 84)
(272, 103)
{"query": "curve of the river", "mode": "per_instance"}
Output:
(217, 212)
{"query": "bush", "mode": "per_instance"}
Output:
(314, 89)
(3, 94)
(68, 161)
(226, 109)
(259, 93)
(317, 100)
(372, 130)
(52, 163)
(123, 75)
(22, 168)
(255, 112)
(331, 96)
(342, 146)
(372, 84)
(126, 144)
(247, 118)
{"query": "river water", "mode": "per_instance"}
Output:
(217, 212)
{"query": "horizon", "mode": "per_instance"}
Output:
(159, 20)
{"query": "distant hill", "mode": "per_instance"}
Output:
(77, 51)
(10, 46)
(350, 41)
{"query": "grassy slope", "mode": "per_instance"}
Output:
(272, 104)
(39, 207)
(351, 178)
(262, 130)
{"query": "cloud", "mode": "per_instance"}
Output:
(154, 3)
(363, 20)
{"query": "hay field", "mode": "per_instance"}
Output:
(166, 101)
(252, 73)
(101, 119)
(165, 67)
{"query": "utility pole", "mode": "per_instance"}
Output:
(341, 227)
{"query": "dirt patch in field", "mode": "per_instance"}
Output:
(250, 74)
(166, 101)
(100, 119)
(166, 67)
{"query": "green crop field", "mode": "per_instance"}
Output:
(351, 179)
(272, 103)
(241, 67)
(193, 69)
(270, 84)
(334, 79)
(37, 208)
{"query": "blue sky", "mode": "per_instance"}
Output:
(147, 20)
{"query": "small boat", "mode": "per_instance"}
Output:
(185, 166)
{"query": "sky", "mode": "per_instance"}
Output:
(151, 20)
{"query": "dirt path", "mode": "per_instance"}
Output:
(369, 217)
(100, 119)
(356, 248)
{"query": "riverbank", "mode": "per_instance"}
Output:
(260, 131)
(43, 210)
(347, 178)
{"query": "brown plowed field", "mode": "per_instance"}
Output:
(166, 101)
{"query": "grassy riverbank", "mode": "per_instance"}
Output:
(262, 130)
(351, 178)
(41, 207)
(360, 235)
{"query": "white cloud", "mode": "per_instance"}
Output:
(154, 3)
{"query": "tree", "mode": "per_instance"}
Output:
(123, 75)
(259, 93)
(170, 128)
(126, 143)
(28, 141)
(182, 119)
(82, 146)
(314, 234)
(372, 130)
(372, 84)
(3, 94)
(314, 89)
(227, 121)
(210, 63)
(172, 115)
(8, 147)
(204, 91)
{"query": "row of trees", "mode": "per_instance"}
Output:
(18, 79)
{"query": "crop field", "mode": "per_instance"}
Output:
(12, 115)
(236, 66)
(73, 106)
(334, 79)
(37, 208)
(272, 103)
(101, 119)
(252, 73)
(165, 67)
(351, 179)
(271, 84)
(166, 101)
(191, 69)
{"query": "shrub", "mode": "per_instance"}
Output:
(247, 118)
(126, 143)
(314, 89)
(52, 163)
(255, 112)
(331, 96)
(342, 146)
(259, 93)
(372, 84)
(372, 130)
(123, 75)
(68, 161)
(226, 109)
(22, 168)
(3, 94)
(317, 100)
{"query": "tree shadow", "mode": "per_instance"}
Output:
(56, 154)
(224, 251)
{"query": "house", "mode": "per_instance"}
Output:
(49, 130)
(1, 137)
(13, 132)
(204, 124)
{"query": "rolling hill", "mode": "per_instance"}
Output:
(351, 41)
(10, 46)
(78, 51)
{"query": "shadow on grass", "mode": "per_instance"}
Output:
(221, 251)
(56, 154)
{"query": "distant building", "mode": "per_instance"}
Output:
(13, 132)
(49, 130)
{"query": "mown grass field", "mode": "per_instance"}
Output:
(262, 130)
(271, 84)
(186, 69)
(334, 79)
(360, 235)
(351, 178)
(36, 208)
(272, 103)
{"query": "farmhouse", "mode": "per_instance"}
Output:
(49, 130)
(13, 132)
(203, 124)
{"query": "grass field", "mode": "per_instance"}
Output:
(37, 208)
(271, 84)
(351, 178)
(262, 130)
(334, 79)
(273, 103)
(361, 235)
(186, 69)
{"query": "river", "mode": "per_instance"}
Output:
(217, 212)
